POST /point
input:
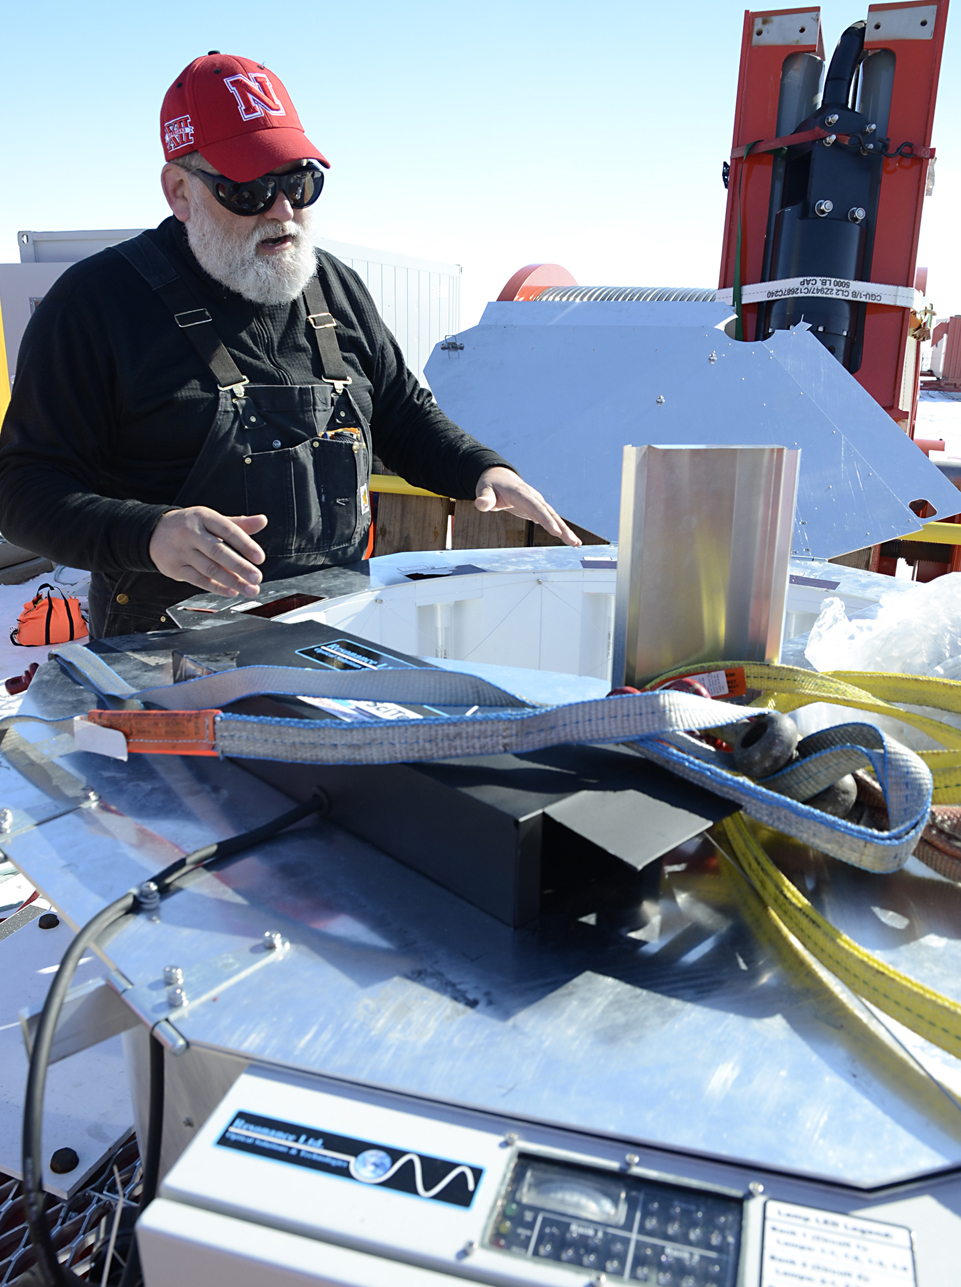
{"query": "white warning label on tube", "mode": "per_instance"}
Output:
(803, 1245)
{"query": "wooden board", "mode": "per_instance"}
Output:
(411, 523)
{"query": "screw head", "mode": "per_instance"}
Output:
(6, 819)
(173, 975)
(660, 399)
(273, 941)
(857, 213)
(468, 1249)
(176, 998)
(631, 1159)
(823, 208)
(832, 120)
(188, 1121)
(831, 138)
(712, 357)
(869, 129)
(756, 1188)
(510, 1139)
(90, 795)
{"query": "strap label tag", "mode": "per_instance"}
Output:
(160, 732)
(723, 683)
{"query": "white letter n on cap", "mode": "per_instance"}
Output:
(255, 95)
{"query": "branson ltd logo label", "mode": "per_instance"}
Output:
(178, 134)
(255, 95)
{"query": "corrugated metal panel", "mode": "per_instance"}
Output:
(419, 299)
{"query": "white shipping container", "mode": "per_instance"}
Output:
(417, 298)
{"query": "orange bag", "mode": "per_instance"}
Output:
(46, 620)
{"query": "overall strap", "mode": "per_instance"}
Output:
(164, 280)
(324, 325)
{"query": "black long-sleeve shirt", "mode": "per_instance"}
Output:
(111, 404)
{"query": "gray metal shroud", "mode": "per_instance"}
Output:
(559, 388)
(703, 554)
(674, 1018)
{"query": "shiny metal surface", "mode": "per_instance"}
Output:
(658, 294)
(577, 380)
(674, 1019)
(703, 556)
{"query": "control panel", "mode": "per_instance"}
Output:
(628, 1227)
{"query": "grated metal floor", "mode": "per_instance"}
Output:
(83, 1226)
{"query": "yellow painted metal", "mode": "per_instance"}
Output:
(936, 533)
(4, 373)
(400, 487)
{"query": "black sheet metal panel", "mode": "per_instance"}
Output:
(203, 611)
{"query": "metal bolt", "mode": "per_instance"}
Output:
(90, 795)
(832, 120)
(509, 1139)
(468, 1249)
(273, 941)
(176, 997)
(756, 1188)
(823, 208)
(712, 357)
(6, 819)
(831, 138)
(660, 399)
(856, 214)
(869, 129)
(188, 1121)
(276, 442)
(148, 895)
(631, 1159)
(173, 975)
(598, 1280)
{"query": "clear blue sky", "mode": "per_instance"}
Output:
(489, 134)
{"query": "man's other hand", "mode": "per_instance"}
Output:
(205, 549)
(500, 488)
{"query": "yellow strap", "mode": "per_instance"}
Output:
(4, 374)
(935, 1017)
(396, 486)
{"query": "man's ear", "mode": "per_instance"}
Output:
(174, 182)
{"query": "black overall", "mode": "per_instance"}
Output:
(298, 453)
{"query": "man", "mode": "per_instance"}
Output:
(217, 380)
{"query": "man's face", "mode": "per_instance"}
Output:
(262, 229)
(267, 258)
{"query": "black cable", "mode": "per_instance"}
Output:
(34, 1196)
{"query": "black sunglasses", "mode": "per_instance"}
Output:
(301, 187)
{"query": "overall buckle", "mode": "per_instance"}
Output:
(236, 389)
(192, 317)
(321, 321)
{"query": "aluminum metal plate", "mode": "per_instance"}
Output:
(576, 382)
(677, 1021)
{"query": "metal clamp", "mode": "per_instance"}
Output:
(339, 385)
(192, 317)
(321, 321)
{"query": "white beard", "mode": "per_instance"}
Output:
(231, 257)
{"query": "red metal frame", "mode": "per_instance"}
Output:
(755, 117)
(902, 187)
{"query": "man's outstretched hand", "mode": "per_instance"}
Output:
(500, 488)
(205, 549)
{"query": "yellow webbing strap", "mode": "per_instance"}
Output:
(786, 688)
(920, 1008)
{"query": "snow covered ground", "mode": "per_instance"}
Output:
(939, 416)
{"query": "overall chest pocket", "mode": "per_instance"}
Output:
(314, 494)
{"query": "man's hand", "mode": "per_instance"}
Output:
(205, 549)
(500, 488)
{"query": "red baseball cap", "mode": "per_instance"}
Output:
(237, 114)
